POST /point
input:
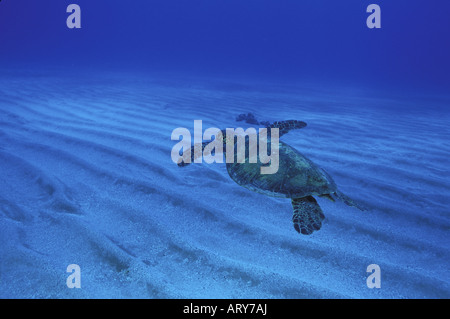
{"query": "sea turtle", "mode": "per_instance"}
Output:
(297, 178)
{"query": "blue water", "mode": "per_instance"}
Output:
(86, 176)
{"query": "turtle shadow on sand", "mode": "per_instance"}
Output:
(297, 178)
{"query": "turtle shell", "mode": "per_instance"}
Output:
(297, 176)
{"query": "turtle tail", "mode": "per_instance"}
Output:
(308, 215)
(348, 201)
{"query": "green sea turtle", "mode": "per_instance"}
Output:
(297, 178)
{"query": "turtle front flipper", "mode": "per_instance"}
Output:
(286, 126)
(307, 216)
(194, 153)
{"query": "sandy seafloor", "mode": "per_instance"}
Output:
(86, 178)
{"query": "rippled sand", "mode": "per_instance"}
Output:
(86, 178)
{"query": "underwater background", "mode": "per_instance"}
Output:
(86, 175)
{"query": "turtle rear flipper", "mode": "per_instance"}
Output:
(307, 215)
(286, 126)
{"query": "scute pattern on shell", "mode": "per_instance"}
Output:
(297, 176)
